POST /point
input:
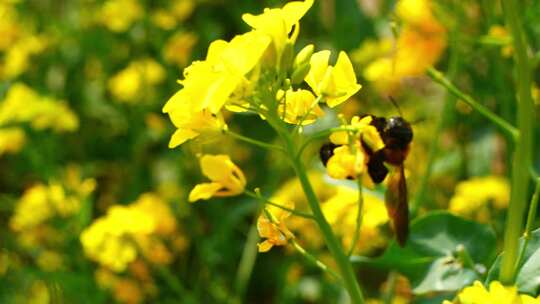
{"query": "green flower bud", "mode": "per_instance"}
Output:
(287, 57)
(303, 56)
(300, 73)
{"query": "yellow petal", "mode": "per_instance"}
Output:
(265, 246)
(180, 136)
(203, 191)
(319, 65)
(216, 167)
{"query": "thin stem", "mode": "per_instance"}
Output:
(530, 221)
(322, 134)
(249, 256)
(314, 260)
(388, 295)
(358, 224)
(445, 82)
(522, 158)
(342, 261)
(253, 141)
(466, 259)
(268, 202)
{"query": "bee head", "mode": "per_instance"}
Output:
(397, 133)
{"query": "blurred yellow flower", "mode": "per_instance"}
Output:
(300, 106)
(341, 211)
(164, 19)
(420, 43)
(476, 197)
(500, 34)
(17, 58)
(11, 140)
(178, 48)
(42, 202)
(131, 83)
(182, 9)
(497, 293)
(226, 178)
(116, 239)
(22, 104)
(277, 23)
(335, 83)
(271, 226)
(10, 28)
(119, 15)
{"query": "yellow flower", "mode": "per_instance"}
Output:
(208, 84)
(300, 106)
(226, 178)
(129, 85)
(17, 58)
(500, 33)
(32, 209)
(420, 44)
(182, 9)
(477, 197)
(349, 159)
(191, 124)
(164, 19)
(10, 28)
(335, 83)
(277, 23)
(119, 15)
(11, 140)
(22, 104)
(178, 48)
(341, 211)
(497, 294)
(271, 226)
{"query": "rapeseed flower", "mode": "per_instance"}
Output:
(116, 239)
(335, 83)
(495, 294)
(349, 159)
(131, 83)
(119, 15)
(420, 43)
(271, 226)
(299, 106)
(11, 140)
(477, 197)
(278, 23)
(226, 178)
(22, 104)
(178, 48)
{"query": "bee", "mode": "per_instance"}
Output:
(397, 134)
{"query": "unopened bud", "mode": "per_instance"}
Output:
(303, 56)
(287, 57)
(300, 73)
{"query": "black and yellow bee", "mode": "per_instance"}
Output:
(397, 135)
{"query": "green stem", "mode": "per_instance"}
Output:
(249, 256)
(342, 261)
(445, 82)
(522, 155)
(530, 221)
(252, 141)
(465, 258)
(268, 202)
(314, 260)
(358, 223)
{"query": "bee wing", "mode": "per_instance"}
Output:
(397, 206)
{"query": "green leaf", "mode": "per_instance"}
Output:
(430, 258)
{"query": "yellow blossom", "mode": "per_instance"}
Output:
(477, 196)
(362, 129)
(341, 212)
(22, 104)
(208, 84)
(191, 124)
(11, 140)
(226, 178)
(271, 226)
(277, 23)
(496, 294)
(500, 33)
(10, 28)
(178, 48)
(182, 9)
(119, 15)
(129, 85)
(164, 19)
(17, 58)
(420, 43)
(300, 106)
(335, 83)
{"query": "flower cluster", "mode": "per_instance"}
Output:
(478, 197)
(116, 239)
(132, 83)
(496, 293)
(420, 42)
(258, 72)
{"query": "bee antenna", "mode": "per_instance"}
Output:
(393, 101)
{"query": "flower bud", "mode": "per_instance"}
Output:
(287, 57)
(300, 73)
(303, 56)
